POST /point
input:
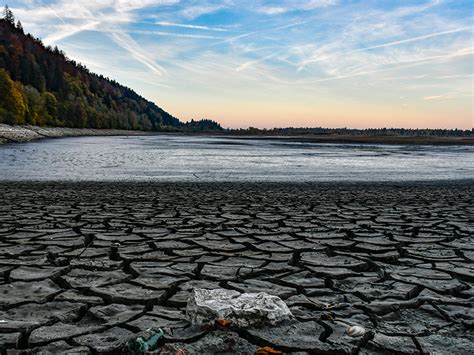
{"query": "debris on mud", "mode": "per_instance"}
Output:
(242, 309)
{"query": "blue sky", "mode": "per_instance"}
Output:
(263, 63)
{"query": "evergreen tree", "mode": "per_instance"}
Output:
(8, 15)
(19, 26)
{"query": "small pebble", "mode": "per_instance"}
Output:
(355, 331)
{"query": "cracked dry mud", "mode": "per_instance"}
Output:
(395, 259)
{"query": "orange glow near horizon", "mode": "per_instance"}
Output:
(428, 114)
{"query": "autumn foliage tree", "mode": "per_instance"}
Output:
(12, 102)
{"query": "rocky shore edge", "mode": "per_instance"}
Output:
(19, 134)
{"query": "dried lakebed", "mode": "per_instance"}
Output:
(396, 260)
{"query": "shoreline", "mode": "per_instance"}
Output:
(218, 185)
(23, 134)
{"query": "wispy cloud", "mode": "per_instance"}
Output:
(173, 34)
(251, 63)
(70, 30)
(201, 8)
(403, 63)
(448, 96)
(194, 27)
(384, 45)
(79, 16)
(438, 97)
(55, 14)
(127, 43)
(414, 39)
(413, 9)
(288, 6)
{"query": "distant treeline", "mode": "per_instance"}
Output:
(41, 86)
(369, 132)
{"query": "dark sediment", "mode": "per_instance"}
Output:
(86, 266)
(354, 139)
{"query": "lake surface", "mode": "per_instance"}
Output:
(184, 158)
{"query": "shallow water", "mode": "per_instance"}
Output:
(182, 158)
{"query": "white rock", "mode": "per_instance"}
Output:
(243, 309)
(356, 331)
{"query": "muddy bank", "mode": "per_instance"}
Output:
(346, 139)
(18, 134)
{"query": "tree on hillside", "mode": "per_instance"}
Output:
(8, 15)
(19, 26)
(12, 103)
(35, 113)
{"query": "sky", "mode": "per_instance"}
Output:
(268, 63)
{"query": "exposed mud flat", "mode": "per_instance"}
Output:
(86, 266)
(348, 139)
(174, 158)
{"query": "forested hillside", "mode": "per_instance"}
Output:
(41, 86)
